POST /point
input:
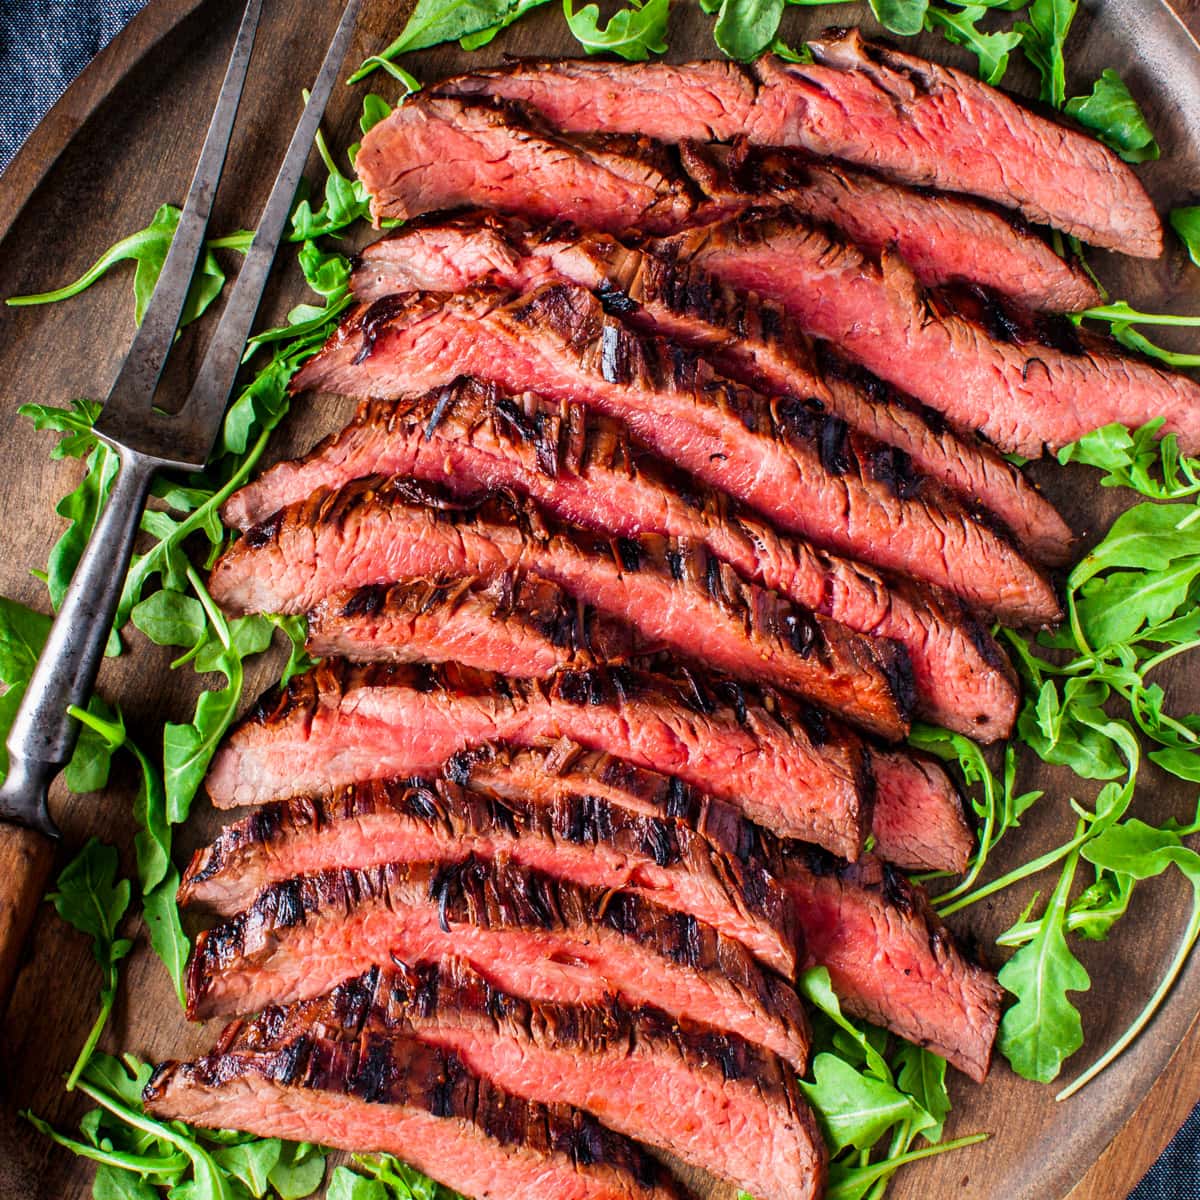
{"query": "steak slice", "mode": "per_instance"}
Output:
(944, 238)
(710, 1098)
(865, 103)
(515, 623)
(567, 834)
(585, 468)
(673, 593)
(749, 340)
(805, 470)
(539, 937)
(402, 1096)
(340, 724)
(435, 154)
(1026, 385)
(890, 958)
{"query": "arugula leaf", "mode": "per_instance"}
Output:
(961, 26)
(1186, 223)
(91, 899)
(922, 1075)
(346, 1185)
(1043, 1028)
(251, 1163)
(745, 28)
(1042, 38)
(299, 1171)
(1114, 114)
(906, 17)
(436, 21)
(634, 32)
(853, 1108)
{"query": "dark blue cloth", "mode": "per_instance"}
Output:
(44, 44)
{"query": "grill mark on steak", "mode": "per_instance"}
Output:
(340, 724)
(585, 468)
(396, 1094)
(531, 934)
(571, 834)
(374, 531)
(891, 959)
(515, 623)
(877, 313)
(728, 435)
(929, 126)
(749, 340)
(710, 1098)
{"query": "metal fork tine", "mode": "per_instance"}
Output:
(197, 419)
(129, 400)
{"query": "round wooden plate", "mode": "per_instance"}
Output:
(122, 141)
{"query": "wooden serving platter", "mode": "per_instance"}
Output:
(122, 141)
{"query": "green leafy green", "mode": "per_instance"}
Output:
(961, 26)
(91, 899)
(1186, 223)
(1114, 114)
(906, 17)
(633, 32)
(745, 28)
(1044, 1028)
(1042, 39)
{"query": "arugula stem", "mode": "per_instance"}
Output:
(215, 615)
(1190, 935)
(1015, 876)
(1122, 312)
(125, 1162)
(108, 995)
(851, 1188)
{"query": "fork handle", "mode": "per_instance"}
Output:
(43, 733)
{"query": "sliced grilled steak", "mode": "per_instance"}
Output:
(805, 470)
(402, 1096)
(890, 958)
(570, 835)
(432, 155)
(673, 593)
(539, 937)
(865, 103)
(339, 724)
(515, 623)
(943, 238)
(749, 340)
(710, 1098)
(584, 468)
(1024, 384)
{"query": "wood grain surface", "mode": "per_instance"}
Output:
(124, 140)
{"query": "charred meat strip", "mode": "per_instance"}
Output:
(675, 594)
(340, 725)
(710, 1098)
(542, 938)
(807, 471)
(865, 103)
(1025, 384)
(891, 959)
(398, 1095)
(570, 835)
(515, 623)
(585, 468)
(944, 238)
(749, 340)
(436, 154)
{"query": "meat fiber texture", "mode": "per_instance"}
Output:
(710, 1098)
(1025, 387)
(375, 531)
(585, 468)
(865, 103)
(750, 340)
(400, 1096)
(538, 937)
(572, 835)
(806, 472)
(338, 725)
